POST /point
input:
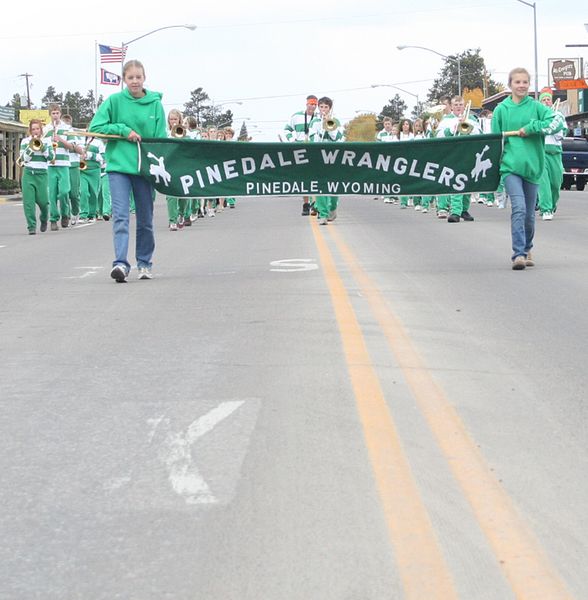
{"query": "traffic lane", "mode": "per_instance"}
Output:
(513, 368)
(222, 320)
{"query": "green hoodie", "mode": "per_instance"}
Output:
(120, 114)
(523, 156)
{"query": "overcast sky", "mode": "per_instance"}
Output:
(269, 54)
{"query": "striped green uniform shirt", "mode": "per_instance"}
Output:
(35, 159)
(299, 127)
(61, 154)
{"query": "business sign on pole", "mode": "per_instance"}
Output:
(566, 73)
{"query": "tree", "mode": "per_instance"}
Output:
(198, 106)
(474, 75)
(418, 110)
(394, 109)
(51, 96)
(361, 129)
(243, 134)
(17, 102)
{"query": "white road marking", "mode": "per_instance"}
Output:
(2, 246)
(89, 271)
(290, 265)
(184, 476)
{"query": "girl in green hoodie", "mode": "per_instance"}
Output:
(523, 159)
(133, 113)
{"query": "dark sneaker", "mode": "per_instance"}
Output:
(119, 274)
(106, 217)
(64, 222)
(187, 222)
(465, 215)
(453, 219)
(306, 209)
(43, 226)
(519, 263)
(54, 226)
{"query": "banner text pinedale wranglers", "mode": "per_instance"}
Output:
(202, 168)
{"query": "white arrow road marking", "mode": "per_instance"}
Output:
(290, 265)
(184, 476)
(89, 271)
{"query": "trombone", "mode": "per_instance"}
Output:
(178, 131)
(465, 127)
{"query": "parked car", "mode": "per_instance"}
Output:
(575, 162)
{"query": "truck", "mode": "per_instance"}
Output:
(575, 163)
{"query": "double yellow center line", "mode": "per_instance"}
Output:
(423, 570)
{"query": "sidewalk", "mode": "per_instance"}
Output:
(9, 197)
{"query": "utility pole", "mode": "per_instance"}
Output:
(26, 76)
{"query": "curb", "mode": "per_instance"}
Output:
(10, 197)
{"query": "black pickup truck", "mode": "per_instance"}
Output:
(575, 162)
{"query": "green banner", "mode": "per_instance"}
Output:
(202, 168)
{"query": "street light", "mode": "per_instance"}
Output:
(455, 60)
(190, 27)
(534, 7)
(375, 85)
(125, 44)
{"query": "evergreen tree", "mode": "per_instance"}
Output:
(243, 134)
(51, 96)
(473, 75)
(17, 102)
(198, 106)
(395, 109)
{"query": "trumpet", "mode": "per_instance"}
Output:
(330, 123)
(178, 131)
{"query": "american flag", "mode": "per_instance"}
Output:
(111, 54)
(108, 78)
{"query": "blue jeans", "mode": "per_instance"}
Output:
(523, 197)
(120, 192)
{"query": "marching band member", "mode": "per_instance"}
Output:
(326, 129)
(174, 120)
(390, 133)
(551, 180)
(454, 124)
(523, 160)
(298, 130)
(55, 133)
(132, 113)
(74, 171)
(35, 156)
(405, 135)
(93, 157)
(229, 135)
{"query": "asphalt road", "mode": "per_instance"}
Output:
(378, 409)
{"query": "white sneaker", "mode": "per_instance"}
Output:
(210, 212)
(173, 226)
(547, 216)
(417, 207)
(145, 273)
(322, 221)
(425, 210)
(388, 201)
(74, 220)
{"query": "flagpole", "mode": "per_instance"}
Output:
(122, 63)
(95, 75)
